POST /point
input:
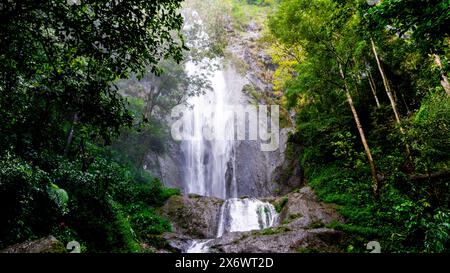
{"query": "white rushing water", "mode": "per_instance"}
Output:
(210, 163)
(207, 156)
(199, 246)
(209, 124)
(245, 215)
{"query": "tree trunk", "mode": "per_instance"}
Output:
(391, 97)
(151, 101)
(376, 182)
(405, 103)
(70, 135)
(373, 87)
(444, 79)
(387, 87)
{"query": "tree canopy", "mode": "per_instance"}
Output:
(59, 60)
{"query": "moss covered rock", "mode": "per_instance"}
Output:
(44, 245)
(193, 215)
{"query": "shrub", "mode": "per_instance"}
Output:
(147, 222)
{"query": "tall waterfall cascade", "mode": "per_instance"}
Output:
(210, 168)
(206, 159)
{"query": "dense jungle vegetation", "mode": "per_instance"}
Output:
(367, 83)
(62, 169)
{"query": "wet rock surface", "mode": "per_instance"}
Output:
(262, 174)
(301, 227)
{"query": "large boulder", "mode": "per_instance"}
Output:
(44, 245)
(194, 216)
(303, 210)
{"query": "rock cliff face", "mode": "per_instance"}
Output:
(257, 173)
(301, 226)
(168, 167)
(262, 174)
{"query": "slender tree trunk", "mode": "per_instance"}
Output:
(387, 86)
(376, 182)
(405, 103)
(373, 87)
(70, 135)
(444, 79)
(391, 98)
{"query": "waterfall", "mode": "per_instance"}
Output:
(245, 215)
(209, 150)
(208, 123)
(207, 157)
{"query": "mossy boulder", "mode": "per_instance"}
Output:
(44, 245)
(193, 215)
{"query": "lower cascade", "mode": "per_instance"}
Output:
(239, 215)
(199, 246)
(245, 215)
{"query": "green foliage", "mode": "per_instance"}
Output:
(366, 219)
(59, 109)
(427, 21)
(99, 207)
(246, 11)
(437, 233)
(261, 2)
(344, 150)
(103, 212)
(429, 134)
(147, 222)
(59, 196)
(23, 201)
(273, 231)
(281, 204)
(59, 61)
(334, 38)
